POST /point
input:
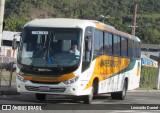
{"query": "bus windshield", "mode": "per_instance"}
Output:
(50, 47)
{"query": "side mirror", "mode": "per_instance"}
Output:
(14, 44)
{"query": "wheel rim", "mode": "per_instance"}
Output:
(91, 95)
(124, 92)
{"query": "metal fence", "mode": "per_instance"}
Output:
(7, 77)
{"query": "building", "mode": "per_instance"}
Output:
(7, 38)
(150, 54)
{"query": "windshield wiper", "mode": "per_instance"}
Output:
(38, 53)
(59, 66)
(40, 50)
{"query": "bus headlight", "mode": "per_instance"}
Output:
(21, 78)
(71, 80)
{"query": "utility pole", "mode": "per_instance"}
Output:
(2, 3)
(134, 18)
(158, 74)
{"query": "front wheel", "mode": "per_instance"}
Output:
(88, 98)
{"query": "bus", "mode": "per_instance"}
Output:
(108, 60)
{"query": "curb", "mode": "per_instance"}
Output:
(146, 91)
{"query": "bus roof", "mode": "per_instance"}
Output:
(58, 22)
(75, 23)
(63, 23)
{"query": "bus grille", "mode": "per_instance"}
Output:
(34, 88)
(55, 83)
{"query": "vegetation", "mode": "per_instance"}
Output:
(148, 77)
(18, 12)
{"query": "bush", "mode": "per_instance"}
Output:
(148, 77)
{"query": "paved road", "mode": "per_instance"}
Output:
(100, 103)
(131, 98)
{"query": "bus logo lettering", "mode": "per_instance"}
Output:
(109, 63)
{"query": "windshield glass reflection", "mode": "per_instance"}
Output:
(50, 47)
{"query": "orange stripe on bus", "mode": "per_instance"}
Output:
(49, 78)
(138, 71)
(101, 27)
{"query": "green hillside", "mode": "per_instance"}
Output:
(18, 12)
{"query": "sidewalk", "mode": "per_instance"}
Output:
(144, 90)
(6, 90)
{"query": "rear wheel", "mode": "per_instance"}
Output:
(120, 95)
(114, 95)
(40, 97)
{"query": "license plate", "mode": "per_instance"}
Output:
(44, 88)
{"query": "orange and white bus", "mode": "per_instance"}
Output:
(108, 59)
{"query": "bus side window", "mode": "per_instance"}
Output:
(124, 47)
(98, 43)
(116, 45)
(130, 48)
(108, 43)
(135, 49)
(139, 50)
(87, 48)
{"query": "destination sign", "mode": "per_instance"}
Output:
(40, 32)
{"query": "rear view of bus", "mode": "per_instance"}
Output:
(58, 56)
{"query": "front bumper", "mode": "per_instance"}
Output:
(59, 88)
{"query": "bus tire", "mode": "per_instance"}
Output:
(122, 94)
(87, 99)
(114, 95)
(40, 97)
(95, 87)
